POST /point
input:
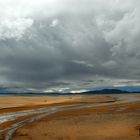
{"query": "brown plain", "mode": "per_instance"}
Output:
(115, 122)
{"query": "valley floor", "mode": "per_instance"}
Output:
(116, 120)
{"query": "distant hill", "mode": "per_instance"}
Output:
(106, 91)
(122, 88)
(109, 90)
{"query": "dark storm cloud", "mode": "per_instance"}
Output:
(60, 44)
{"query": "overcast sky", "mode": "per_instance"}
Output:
(62, 45)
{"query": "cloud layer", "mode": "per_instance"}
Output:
(68, 44)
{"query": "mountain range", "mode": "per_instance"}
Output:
(97, 90)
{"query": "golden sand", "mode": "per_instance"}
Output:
(114, 122)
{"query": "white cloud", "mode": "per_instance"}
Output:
(78, 91)
(54, 23)
(57, 90)
(14, 28)
(87, 64)
(110, 64)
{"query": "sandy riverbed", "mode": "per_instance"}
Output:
(114, 122)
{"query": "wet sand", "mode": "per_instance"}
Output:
(113, 122)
